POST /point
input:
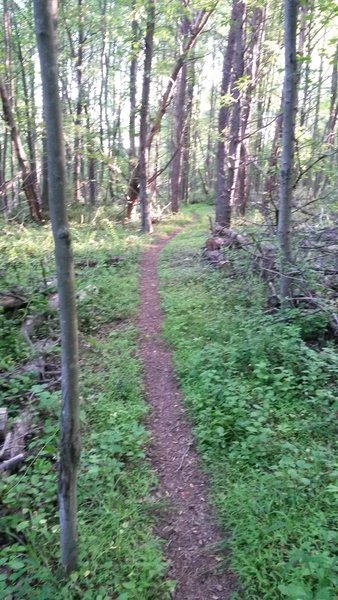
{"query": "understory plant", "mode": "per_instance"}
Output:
(263, 406)
(119, 555)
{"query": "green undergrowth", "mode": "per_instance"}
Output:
(119, 556)
(263, 406)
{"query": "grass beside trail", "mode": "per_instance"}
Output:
(263, 406)
(119, 556)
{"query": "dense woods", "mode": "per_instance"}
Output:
(124, 117)
(209, 124)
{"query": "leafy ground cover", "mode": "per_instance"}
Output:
(119, 556)
(263, 405)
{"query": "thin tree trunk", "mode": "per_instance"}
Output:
(79, 107)
(3, 171)
(44, 174)
(308, 17)
(209, 161)
(222, 210)
(196, 28)
(132, 90)
(288, 144)
(179, 118)
(331, 124)
(146, 223)
(7, 28)
(103, 9)
(238, 67)
(29, 109)
(177, 140)
(70, 437)
(28, 178)
(185, 176)
(270, 184)
(252, 64)
(91, 158)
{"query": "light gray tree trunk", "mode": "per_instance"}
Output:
(70, 442)
(288, 144)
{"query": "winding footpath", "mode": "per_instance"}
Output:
(192, 539)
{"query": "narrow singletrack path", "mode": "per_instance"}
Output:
(192, 539)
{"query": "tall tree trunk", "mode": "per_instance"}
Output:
(70, 422)
(132, 89)
(209, 161)
(270, 183)
(3, 162)
(234, 129)
(28, 178)
(91, 159)
(333, 115)
(79, 107)
(308, 18)
(222, 210)
(252, 64)
(103, 10)
(44, 173)
(288, 144)
(7, 29)
(185, 169)
(196, 27)
(179, 118)
(177, 140)
(146, 223)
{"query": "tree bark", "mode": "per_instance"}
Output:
(238, 69)
(79, 107)
(222, 210)
(179, 118)
(185, 169)
(331, 124)
(70, 437)
(196, 28)
(288, 144)
(146, 223)
(241, 188)
(132, 90)
(28, 178)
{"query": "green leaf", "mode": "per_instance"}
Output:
(296, 591)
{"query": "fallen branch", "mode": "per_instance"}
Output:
(12, 463)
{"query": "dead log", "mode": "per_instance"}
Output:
(5, 451)
(12, 463)
(113, 260)
(86, 262)
(91, 262)
(30, 324)
(231, 238)
(3, 423)
(214, 243)
(53, 301)
(213, 256)
(14, 446)
(265, 262)
(11, 301)
(20, 430)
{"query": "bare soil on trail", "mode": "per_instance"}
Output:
(193, 542)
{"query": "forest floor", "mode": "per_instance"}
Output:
(167, 341)
(193, 541)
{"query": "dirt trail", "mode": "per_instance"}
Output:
(189, 529)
